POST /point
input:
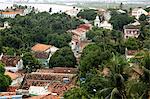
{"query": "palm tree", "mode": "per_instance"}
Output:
(139, 89)
(117, 78)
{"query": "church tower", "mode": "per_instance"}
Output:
(97, 21)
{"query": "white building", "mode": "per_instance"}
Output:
(103, 24)
(37, 90)
(6, 25)
(132, 31)
(106, 25)
(97, 21)
(137, 12)
(73, 12)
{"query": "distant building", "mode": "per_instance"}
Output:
(13, 63)
(73, 12)
(43, 52)
(131, 31)
(11, 13)
(6, 25)
(107, 15)
(103, 24)
(97, 21)
(137, 12)
(130, 53)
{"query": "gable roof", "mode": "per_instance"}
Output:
(131, 27)
(40, 47)
(10, 60)
(41, 55)
(86, 26)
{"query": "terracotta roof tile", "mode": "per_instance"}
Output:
(10, 60)
(13, 76)
(40, 47)
(85, 26)
(132, 52)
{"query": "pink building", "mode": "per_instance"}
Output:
(131, 31)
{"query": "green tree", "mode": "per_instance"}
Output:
(88, 14)
(143, 17)
(132, 44)
(119, 20)
(64, 57)
(30, 62)
(5, 80)
(77, 93)
(2, 69)
(92, 57)
(59, 40)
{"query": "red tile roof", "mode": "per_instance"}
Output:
(10, 60)
(12, 88)
(13, 76)
(59, 70)
(85, 26)
(132, 52)
(40, 47)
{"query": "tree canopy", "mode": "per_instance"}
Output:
(64, 57)
(5, 80)
(88, 14)
(119, 20)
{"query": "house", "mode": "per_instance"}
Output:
(12, 12)
(38, 90)
(79, 36)
(106, 25)
(73, 12)
(54, 81)
(43, 52)
(137, 12)
(130, 53)
(131, 31)
(103, 24)
(6, 25)
(16, 78)
(12, 63)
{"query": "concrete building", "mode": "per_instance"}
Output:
(43, 52)
(131, 31)
(137, 12)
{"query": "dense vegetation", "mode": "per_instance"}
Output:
(42, 28)
(64, 57)
(118, 20)
(88, 14)
(5, 80)
(105, 73)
